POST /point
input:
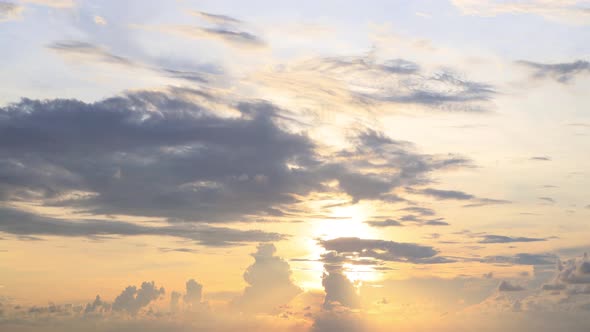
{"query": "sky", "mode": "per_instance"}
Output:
(294, 166)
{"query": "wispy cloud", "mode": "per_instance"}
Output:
(561, 72)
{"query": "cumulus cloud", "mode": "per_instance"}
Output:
(175, 301)
(575, 271)
(133, 299)
(194, 292)
(339, 290)
(269, 282)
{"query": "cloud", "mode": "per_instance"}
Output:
(168, 156)
(224, 28)
(384, 223)
(569, 12)
(269, 282)
(506, 286)
(554, 287)
(194, 292)
(132, 299)
(561, 72)
(21, 223)
(575, 271)
(541, 158)
(163, 156)
(366, 81)
(216, 18)
(90, 53)
(446, 194)
(420, 210)
(97, 306)
(547, 199)
(175, 301)
(523, 259)
(9, 11)
(408, 220)
(384, 250)
(339, 290)
(440, 194)
(508, 239)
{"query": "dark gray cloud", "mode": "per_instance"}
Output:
(561, 72)
(523, 259)
(547, 199)
(419, 210)
(234, 36)
(402, 166)
(554, 287)
(186, 250)
(506, 286)
(217, 18)
(384, 250)
(489, 238)
(446, 194)
(17, 222)
(133, 299)
(408, 220)
(161, 154)
(151, 154)
(541, 158)
(441, 194)
(384, 223)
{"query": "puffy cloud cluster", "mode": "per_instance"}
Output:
(133, 299)
(575, 271)
(269, 282)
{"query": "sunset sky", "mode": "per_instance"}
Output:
(179, 165)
